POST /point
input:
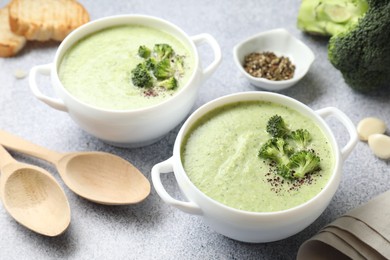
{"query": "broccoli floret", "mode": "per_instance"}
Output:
(163, 70)
(329, 17)
(179, 64)
(302, 163)
(284, 171)
(276, 150)
(140, 76)
(163, 51)
(288, 151)
(160, 68)
(362, 53)
(170, 83)
(150, 63)
(301, 138)
(276, 127)
(144, 52)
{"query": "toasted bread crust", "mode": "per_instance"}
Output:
(43, 20)
(10, 43)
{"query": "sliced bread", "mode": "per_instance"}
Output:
(43, 20)
(10, 43)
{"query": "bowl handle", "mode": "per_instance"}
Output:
(45, 69)
(167, 167)
(207, 38)
(353, 137)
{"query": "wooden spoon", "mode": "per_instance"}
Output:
(97, 176)
(32, 196)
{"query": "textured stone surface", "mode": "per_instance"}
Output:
(153, 230)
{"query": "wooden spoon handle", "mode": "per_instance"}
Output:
(20, 145)
(5, 157)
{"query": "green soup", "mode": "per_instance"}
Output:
(220, 156)
(97, 69)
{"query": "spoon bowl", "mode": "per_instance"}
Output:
(33, 197)
(103, 178)
(100, 177)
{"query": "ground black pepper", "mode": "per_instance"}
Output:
(276, 181)
(268, 65)
(150, 92)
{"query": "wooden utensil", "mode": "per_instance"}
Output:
(100, 177)
(33, 197)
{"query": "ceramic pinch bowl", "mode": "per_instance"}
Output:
(282, 43)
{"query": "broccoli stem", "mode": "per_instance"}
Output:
(329, 17)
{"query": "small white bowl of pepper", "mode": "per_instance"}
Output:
(273, 60)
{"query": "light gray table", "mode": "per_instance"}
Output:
(151, 229)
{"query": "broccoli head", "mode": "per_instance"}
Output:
(276, 126)
(276, 150)
(301, 138)
(329, 17)
(144, 52)
(302, 163)
(284, 171)
(150, 63)
(170, 83)
(141, 77)
(179, 64)
(163, 51)
(163, 69)
(362, 53)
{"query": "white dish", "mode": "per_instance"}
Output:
(248, 226)
(128, 128)
(282, 43)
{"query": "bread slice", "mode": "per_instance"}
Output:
(43, 20)
(10, 43)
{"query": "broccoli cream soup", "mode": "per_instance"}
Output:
(220, 155)
(99, 69)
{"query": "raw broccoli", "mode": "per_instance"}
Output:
(170, 83)
(163, 69)
(302, 163)
(276, 127)
(276, 150)
(301, 138)
(163, 51)
(329, 17)
(141, 77)
(362, 53)
(144, 52)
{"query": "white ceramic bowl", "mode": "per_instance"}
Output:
(254, 226)
(282, 43)
(128, 128)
